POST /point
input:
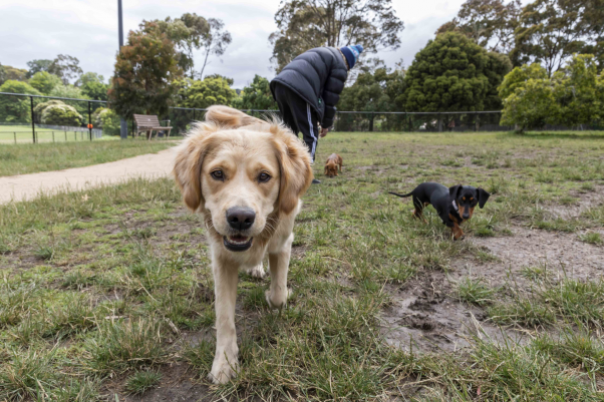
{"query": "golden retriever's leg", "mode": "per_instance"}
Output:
(257, 272)
(279, 265)
(225, 361)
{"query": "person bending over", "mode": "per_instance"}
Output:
(308, 89)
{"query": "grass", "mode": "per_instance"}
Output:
(474, 291)
(32, 158)
(142, 381)
(100, 294)
(22, 134)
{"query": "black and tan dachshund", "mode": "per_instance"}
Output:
(454, 205)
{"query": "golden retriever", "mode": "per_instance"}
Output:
(331, 165)
(246, 177)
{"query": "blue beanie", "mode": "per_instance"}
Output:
(352, 54)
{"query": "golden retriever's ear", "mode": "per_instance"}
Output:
(294, 163)
(187, 165)
(225, 116)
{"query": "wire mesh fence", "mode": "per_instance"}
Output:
(33, 118)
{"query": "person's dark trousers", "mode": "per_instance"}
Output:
(299, 116)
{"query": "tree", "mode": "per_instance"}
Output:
(257, 96)
(578, 92)
(188, 33)
(497, 69)
(215, 42)
(571, 97)
(16, 109)
(67, 91)
(489, 23)
(306, 24)
(144, 72)
(89, 77)
(228, 80)
(373, 91)
(550, 32)
(452, 73)
(12, 73)
(65, 67)
(593, 24)
(531, 105)
(201, 94)
(44, 82)
(36, 66)
(93, 86)
(519, 76)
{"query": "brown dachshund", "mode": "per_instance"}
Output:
(331, 165)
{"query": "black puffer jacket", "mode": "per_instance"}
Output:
(318, 77)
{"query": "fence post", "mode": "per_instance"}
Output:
(53, 137)
(89, 122)
(15, 134)
(33, 126)
(65, 136)
(440, 123)
(371, 122)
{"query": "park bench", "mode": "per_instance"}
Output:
(149, 124)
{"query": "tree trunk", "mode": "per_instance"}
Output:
(205, 61)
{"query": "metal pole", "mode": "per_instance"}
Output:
(15, 137)
(33, 126)
(53, 137)
(89, 122)
(123, 124)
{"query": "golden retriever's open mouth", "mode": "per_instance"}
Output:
(238, 242)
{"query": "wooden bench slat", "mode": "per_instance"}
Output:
(149, 123)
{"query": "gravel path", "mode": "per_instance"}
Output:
(29, 186)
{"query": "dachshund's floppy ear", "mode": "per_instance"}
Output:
(188, 162)
(294, 165)
(454, 191)
(482, 196)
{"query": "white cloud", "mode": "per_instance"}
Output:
(87, 29)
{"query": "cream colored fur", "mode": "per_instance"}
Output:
(243, 147)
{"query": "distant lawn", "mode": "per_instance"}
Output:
(32, 158)
(21, 134)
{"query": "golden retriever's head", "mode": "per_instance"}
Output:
(240, 178)
(331, 169)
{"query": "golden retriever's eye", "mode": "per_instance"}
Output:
(264, 177)
(217, 175)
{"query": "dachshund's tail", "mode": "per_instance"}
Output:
(401, 195)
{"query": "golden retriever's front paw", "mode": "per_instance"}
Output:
(278, 300)
(257, 271)
(223, 370)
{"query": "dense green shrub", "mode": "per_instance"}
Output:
(107, 120)
(61, 115)
(16, 109)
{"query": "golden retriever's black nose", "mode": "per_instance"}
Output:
(240, 218)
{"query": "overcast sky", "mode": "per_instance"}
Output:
(87, 29)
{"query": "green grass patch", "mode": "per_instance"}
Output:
(32, 158)
(115, 287)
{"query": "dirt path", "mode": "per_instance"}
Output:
(29, 186)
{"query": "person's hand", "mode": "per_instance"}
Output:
(323, 132)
